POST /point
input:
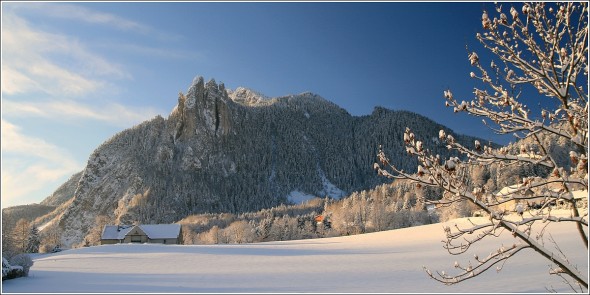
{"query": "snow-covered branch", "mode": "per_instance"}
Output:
(543, 46)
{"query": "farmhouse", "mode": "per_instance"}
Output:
(526, 197)
(581, 197)
(514, 191)
(143, 233)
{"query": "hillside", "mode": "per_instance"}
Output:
(11, 215)
(383, 262)
(63, 193)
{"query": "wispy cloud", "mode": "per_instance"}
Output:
(84, 15)
(30, 57)
(110, 113)
(53, 70)
(33, 164)
(81, 14)
(14, 82)
(156, 52)
(30, 67)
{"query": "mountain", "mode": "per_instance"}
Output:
(235, 151)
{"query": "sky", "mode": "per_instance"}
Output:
(76, 73)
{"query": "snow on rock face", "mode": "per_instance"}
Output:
(196, 86)
(203, 109)
(330, 189)
(215, 110)
(298, 197)
(43, 226)
(190, 161)
(247, 96)
(165, 154)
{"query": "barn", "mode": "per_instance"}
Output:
(143, 233)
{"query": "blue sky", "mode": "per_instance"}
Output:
(74, 74)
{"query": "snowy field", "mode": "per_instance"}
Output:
(384, 262)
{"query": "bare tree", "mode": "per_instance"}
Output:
(543, 45)
(21, 235)
(94, 237)
(240, 232)
(51, 238)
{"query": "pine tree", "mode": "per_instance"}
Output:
(33, 240)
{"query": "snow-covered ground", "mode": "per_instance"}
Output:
(299, 197)
(384, 262)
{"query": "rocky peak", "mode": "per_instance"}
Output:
(247, 96)
(212, 85)
(196, 87)
(204, 107)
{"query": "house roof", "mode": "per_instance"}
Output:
(511, 190)
(161, 231)
(153, 231)
(581, 194)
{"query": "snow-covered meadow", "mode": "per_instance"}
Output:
(383, 262)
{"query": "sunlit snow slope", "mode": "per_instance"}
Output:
(388, 262)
